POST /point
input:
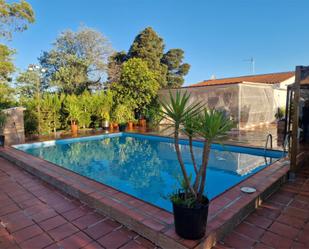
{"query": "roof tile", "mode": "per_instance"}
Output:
(271, 78)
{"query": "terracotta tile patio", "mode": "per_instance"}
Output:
(33, 215)
(281, 222)
(155, 224)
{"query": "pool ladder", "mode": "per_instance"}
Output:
(286, 145)
(269, 140)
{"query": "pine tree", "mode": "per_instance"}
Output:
(176, 69)
(148, 46)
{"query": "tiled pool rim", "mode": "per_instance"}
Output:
(156, 224)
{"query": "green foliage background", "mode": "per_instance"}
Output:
(82, 80)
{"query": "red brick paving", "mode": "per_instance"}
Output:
(34, 215)
(281, 222)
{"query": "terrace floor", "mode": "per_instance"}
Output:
(33, 215)
(281, 222)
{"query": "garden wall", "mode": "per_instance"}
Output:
(248, 104)
(221, 97)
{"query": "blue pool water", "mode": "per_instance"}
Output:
(146, 166)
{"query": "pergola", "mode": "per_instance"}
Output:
(293, 110)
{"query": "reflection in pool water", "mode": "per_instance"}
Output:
(145, 168)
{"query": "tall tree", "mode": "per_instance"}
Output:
(168, 68)
(6, 64)
(176, 69)
(78, 60)
(115, 62)
(30, 86)
(30, 83)
(148, 46)
(6, 69)
(7, 94)
(138, 85)
(14, 17)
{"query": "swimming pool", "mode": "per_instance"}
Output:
(146, 166)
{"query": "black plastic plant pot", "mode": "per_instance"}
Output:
(122, 127)
(190, 223)
(2, 140)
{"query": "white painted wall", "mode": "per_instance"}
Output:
(280, 92)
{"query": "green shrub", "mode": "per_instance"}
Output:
(153, 115)
(3, 119)
(280, 113)
(72, 107)
(122, 114)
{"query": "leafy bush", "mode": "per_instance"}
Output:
(72, 107)
(102, 104)
(122, 114)
(153, 114)
(85, 106)
(3, 119)
(280, 113)
(51, 107)
(138, 85)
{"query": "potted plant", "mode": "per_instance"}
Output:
(3, 119)
(130, 118)
(122, 115)
(280, 113)
(105, 120)
(280, 117)
(142, 121)
(73, 108)
(190, 204)
(153, 117)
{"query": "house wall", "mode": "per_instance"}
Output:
(280, 91)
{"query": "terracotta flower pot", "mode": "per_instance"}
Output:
(142, 122)
(74, 128)
(130, 125)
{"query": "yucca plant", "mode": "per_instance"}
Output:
(209, 125)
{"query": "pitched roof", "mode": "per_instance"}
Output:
(271, 78)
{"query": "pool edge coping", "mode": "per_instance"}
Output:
(155, 224)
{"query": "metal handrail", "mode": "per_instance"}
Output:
(269, 136)
(286, 143)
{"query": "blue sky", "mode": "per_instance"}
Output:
(217, 36)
